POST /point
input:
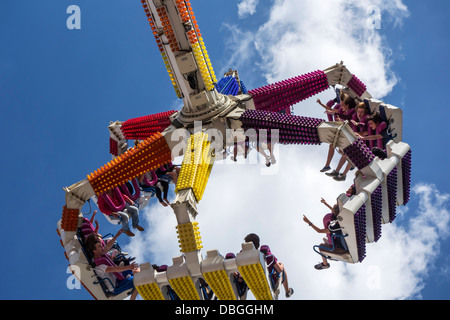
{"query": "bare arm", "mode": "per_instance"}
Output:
(318, 230)
(326, 203)
(327, 108)
(93, 216)
(110, 243)
(366, 137)
(320, 102)
(134, 267)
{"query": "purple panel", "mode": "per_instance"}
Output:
(283, 94)
(360, 232)
(357, 86)
(359, 154)
(292, 129)
(392, 193)
(376, 203)
(406, 177)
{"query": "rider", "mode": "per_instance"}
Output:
(279, 267)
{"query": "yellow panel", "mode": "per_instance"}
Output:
(188, 168)
(171, 75)
(208, 61)
(185, 288)
(204, 170)
(203, 66)
(256, 280)
(197, 165)
(198, 46)
(189, 237)
(220, 284)
(150, 292)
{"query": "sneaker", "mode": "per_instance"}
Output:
(272, 159)
(321, 266)
(140, 228)
(340, 177)
(289, 293)
(129, 233)
(333, 173)
(325, 169)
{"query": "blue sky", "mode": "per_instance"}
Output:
(59, 89)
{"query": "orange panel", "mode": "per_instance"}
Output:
(69, 219)
(148, 155)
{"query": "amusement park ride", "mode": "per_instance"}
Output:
(214, 108)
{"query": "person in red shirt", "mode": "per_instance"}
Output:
(376, 132)
(117, 278)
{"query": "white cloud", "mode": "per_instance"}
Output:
(302, 36)
(299, 37)
(240, 44)
(247, 7)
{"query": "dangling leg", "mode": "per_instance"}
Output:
(165, 186)
(282, 271)
(125, 223)
(159, 196)
(272, 156)
(329, 158)
(323, 265)
(266, 157)
(335, 172)
(133, 212)
(342, 176)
